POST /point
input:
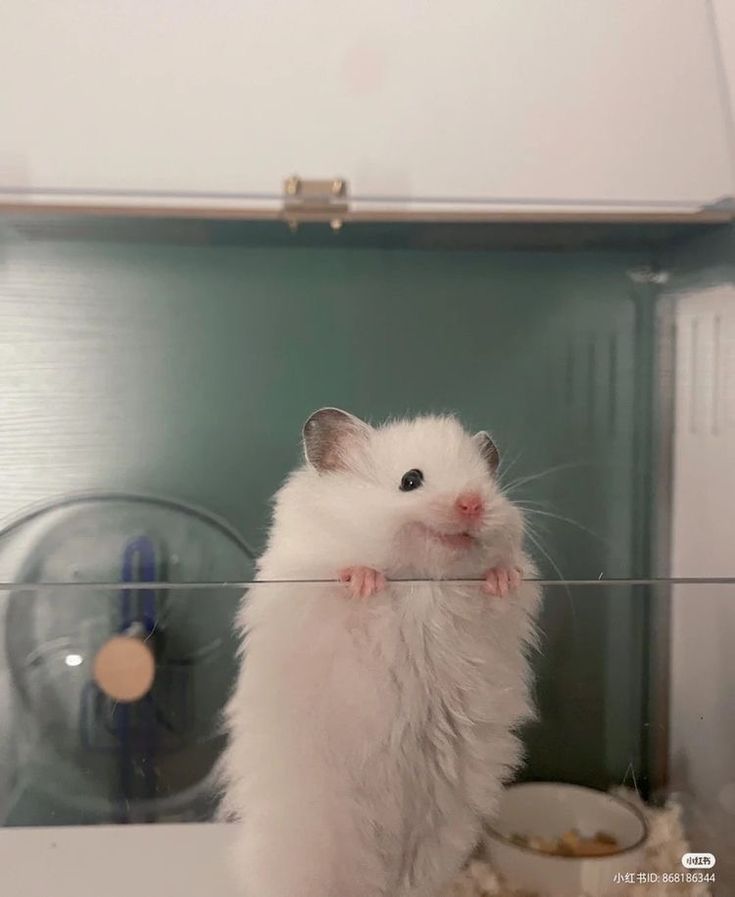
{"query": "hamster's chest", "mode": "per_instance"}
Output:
(371, 674)
(450, 660)
(430, 647)
(422, 631)
(437, 626)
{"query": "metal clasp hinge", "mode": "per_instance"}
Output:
(317, 200)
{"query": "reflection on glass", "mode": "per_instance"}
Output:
(74, 754)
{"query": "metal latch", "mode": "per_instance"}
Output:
(318, 200)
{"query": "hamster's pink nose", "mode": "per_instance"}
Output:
(470, 504)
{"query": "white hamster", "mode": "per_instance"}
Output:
(373, 722)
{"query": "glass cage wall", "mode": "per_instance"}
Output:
(154, 383)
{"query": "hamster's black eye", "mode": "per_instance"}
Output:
(411, 480)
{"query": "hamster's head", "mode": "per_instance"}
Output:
(424, 488)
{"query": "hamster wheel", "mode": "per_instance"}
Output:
(90, 744)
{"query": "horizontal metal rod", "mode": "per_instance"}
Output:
(654, 215)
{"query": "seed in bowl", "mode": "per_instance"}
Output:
(571, 844)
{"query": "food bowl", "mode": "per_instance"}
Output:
(547, 810)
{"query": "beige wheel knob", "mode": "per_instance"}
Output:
(124, 668)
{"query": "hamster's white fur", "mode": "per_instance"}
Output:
(370, 737)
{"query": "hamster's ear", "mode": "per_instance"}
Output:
(328, 436)
(488, 450)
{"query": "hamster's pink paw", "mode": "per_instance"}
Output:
(502, 581)
(363, 581)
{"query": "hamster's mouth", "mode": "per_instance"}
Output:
(457, 541)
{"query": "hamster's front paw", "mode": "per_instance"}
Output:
(363, 581)
(502, 580)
